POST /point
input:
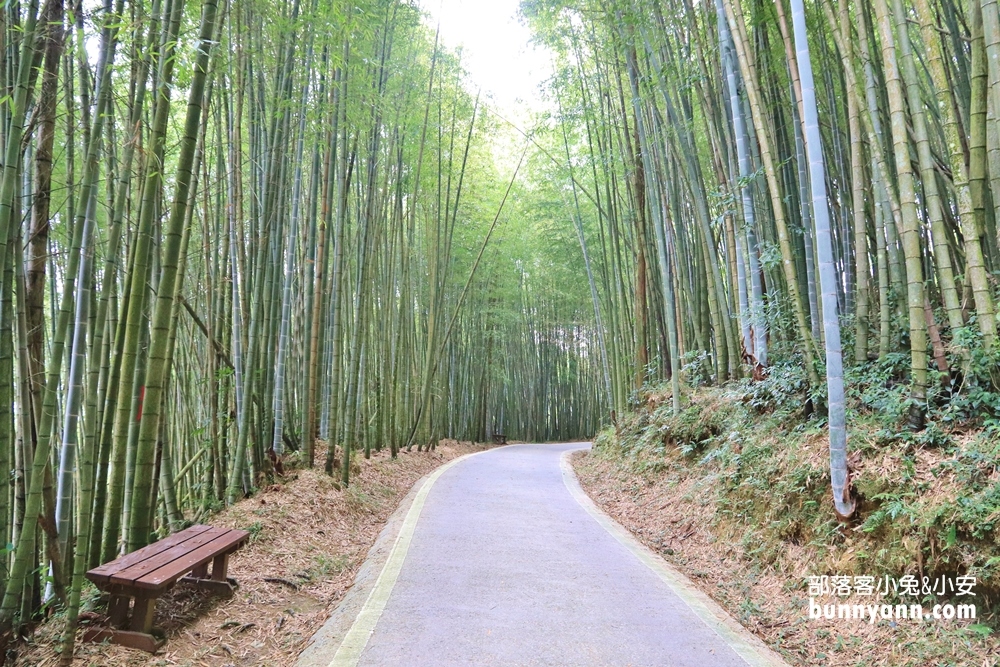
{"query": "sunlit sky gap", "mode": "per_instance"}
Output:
(496, 51)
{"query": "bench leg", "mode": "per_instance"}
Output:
(200, 572)
(142, 614)
(220, 567)
(118, 610)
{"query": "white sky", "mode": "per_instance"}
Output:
(495, 50)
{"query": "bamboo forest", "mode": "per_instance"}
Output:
(245, 242)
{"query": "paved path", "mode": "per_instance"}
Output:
(507, 565)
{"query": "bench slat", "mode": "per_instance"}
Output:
(169, 572)
(104, 573)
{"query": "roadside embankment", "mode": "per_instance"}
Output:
(735, 492)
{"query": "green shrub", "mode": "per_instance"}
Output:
(783, 391)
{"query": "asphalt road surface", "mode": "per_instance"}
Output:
(507, 565)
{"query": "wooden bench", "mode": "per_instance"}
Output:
(499, 438)
(146, 574)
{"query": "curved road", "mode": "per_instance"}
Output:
(509, 564)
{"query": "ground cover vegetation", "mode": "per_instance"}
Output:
(734, 491)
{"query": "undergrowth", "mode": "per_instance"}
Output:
(928, 501)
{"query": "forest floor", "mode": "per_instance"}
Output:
(308, 538)
(691, 497)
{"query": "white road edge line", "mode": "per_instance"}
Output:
(748, 646)
(349, 652)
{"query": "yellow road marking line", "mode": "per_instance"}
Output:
(357, 637)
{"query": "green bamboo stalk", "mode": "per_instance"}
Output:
(158, 365)
(911, 226)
